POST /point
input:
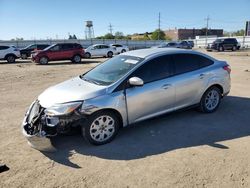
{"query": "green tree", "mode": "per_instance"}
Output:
(145, 36)
(109, 36)
(158, 34)
(119, 35)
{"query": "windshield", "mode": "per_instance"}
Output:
(49, 47)
(111, 70)
(217, 40)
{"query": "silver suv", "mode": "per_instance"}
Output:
(126, 89)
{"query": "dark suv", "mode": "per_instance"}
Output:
(26, 52)
(61, 51)
(224, 44)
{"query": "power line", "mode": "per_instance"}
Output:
(207, 20)
(159, 25)
(110, 29)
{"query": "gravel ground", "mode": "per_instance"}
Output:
(182, 149)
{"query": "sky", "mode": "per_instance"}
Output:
(32, 19)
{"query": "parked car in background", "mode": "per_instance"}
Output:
(191, 43)
(128, 88)
(224, 44)
(9, 53)
(173, 44)
(100, 50)
(26, 52)
(120, 48)
(61, 51)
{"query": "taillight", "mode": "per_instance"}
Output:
(227, 68)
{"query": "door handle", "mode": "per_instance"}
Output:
(166, 86)
(202, 76)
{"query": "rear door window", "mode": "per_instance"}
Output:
(4, 47)
(189, 62)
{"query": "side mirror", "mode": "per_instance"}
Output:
(135, 81)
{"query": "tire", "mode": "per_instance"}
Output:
(220, 49)
(77, 59)
(210, 100)
(11, 58)
(123, 50)
(234, 48)
(96, 130)
(87, 55)
(43, 61)
(24, 56)
(110, 54)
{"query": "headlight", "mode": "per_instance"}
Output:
(62, 109)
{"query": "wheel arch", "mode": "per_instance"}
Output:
(7, 55)
(116, 112)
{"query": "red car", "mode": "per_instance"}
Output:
(61, 51)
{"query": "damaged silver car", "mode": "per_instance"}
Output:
(126, 89)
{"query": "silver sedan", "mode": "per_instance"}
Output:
(126, 89)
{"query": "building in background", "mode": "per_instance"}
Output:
(181, 34)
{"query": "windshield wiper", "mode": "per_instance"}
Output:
(91, 81)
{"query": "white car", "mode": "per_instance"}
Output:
(9, 53)
(120, 48)
(100, 50)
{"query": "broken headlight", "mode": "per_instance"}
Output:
(62, 109)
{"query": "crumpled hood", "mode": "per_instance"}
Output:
(74, 89)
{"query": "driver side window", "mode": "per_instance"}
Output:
(155, 69)
(55, 48)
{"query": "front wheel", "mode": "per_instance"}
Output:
(110, 54)
(43, 61)
(221, 49)
(234, 48)
(87, 55)
(210, 100)
(24, 56)
(101, 128)
(123, 50)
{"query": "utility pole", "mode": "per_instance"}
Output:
(159, 25)
(110, 29)
(207, 20)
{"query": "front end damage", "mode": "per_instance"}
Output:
(39, 126)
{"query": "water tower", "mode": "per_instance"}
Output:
(89, 30)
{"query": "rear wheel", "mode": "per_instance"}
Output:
(11, 59)
(110, 54)
(87, 55)
(43, 60)
(210, 100)
(76, 59)
(101, 128)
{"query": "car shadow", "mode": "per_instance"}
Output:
(18, 61)
(169, 132)
(56, 63)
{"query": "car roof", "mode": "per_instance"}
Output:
(144, 53)
(151, 52)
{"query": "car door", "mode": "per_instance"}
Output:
(105, 50)
(67, 51)
(157, 95)
(3, 51)
(95, 51)
(55, 53)
(190, 78)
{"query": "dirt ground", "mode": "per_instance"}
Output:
(182, 149)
